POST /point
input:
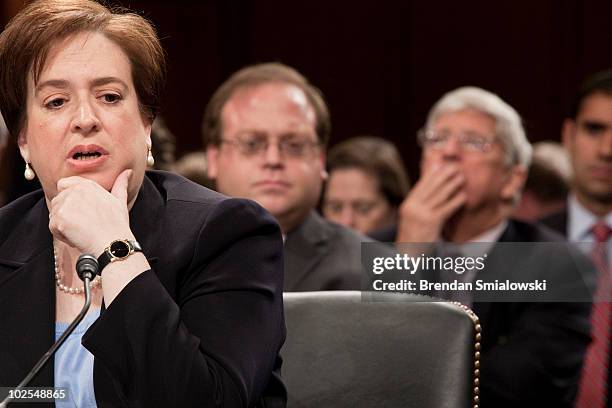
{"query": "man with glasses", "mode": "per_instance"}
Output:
(474, 163)
(587, 136)
(265, 130)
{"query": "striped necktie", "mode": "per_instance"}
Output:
(594, 382)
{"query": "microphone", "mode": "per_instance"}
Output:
(87, 268)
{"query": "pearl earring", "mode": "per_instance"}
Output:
(29, 173)
(150, 159)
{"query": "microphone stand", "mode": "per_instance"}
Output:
(87, 269)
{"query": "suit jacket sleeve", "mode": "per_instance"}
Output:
(217, 344)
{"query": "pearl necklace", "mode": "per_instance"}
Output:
(73, 291)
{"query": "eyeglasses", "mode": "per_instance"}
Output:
(469, 141)
(253, 145)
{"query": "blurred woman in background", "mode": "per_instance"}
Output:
(367, 182)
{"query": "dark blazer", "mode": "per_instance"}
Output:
(203, 327)
(531, 352)
(322, 255)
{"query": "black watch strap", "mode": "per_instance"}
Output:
(118, 250)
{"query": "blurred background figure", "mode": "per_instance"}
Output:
(193, 166)
(547, 182)
(367, 183)
(266, 130)
(587, 136)
(474, 164)
(163, 146)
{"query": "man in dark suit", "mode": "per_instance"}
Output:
(265, 130)
(587, 136)
(474, 164)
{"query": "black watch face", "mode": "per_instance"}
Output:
(119, 249)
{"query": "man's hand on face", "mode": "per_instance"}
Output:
(432, 201)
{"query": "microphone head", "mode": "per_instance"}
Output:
(87, 266)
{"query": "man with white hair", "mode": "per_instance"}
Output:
(474, 163)
(475, 160)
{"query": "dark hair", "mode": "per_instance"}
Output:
(28, 37)
(545, 183)
(253, 76)
(598, 82)
(549, 175)
(377, 157)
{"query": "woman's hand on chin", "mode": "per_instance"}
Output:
(87, 217)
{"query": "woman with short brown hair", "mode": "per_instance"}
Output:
(178, 317)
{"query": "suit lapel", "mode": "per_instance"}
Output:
(145, 223)
(304, 248)
(27, 298)
(145, 220)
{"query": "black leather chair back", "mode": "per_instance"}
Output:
(342, 351)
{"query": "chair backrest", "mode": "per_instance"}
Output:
(398, 351)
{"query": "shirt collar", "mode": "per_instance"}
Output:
(482, 243)
(580, 220)
(492, 234)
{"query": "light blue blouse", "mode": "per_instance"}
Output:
(74, 365)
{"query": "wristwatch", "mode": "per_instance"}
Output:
(118, 250)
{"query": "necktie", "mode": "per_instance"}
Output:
(594, 382)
